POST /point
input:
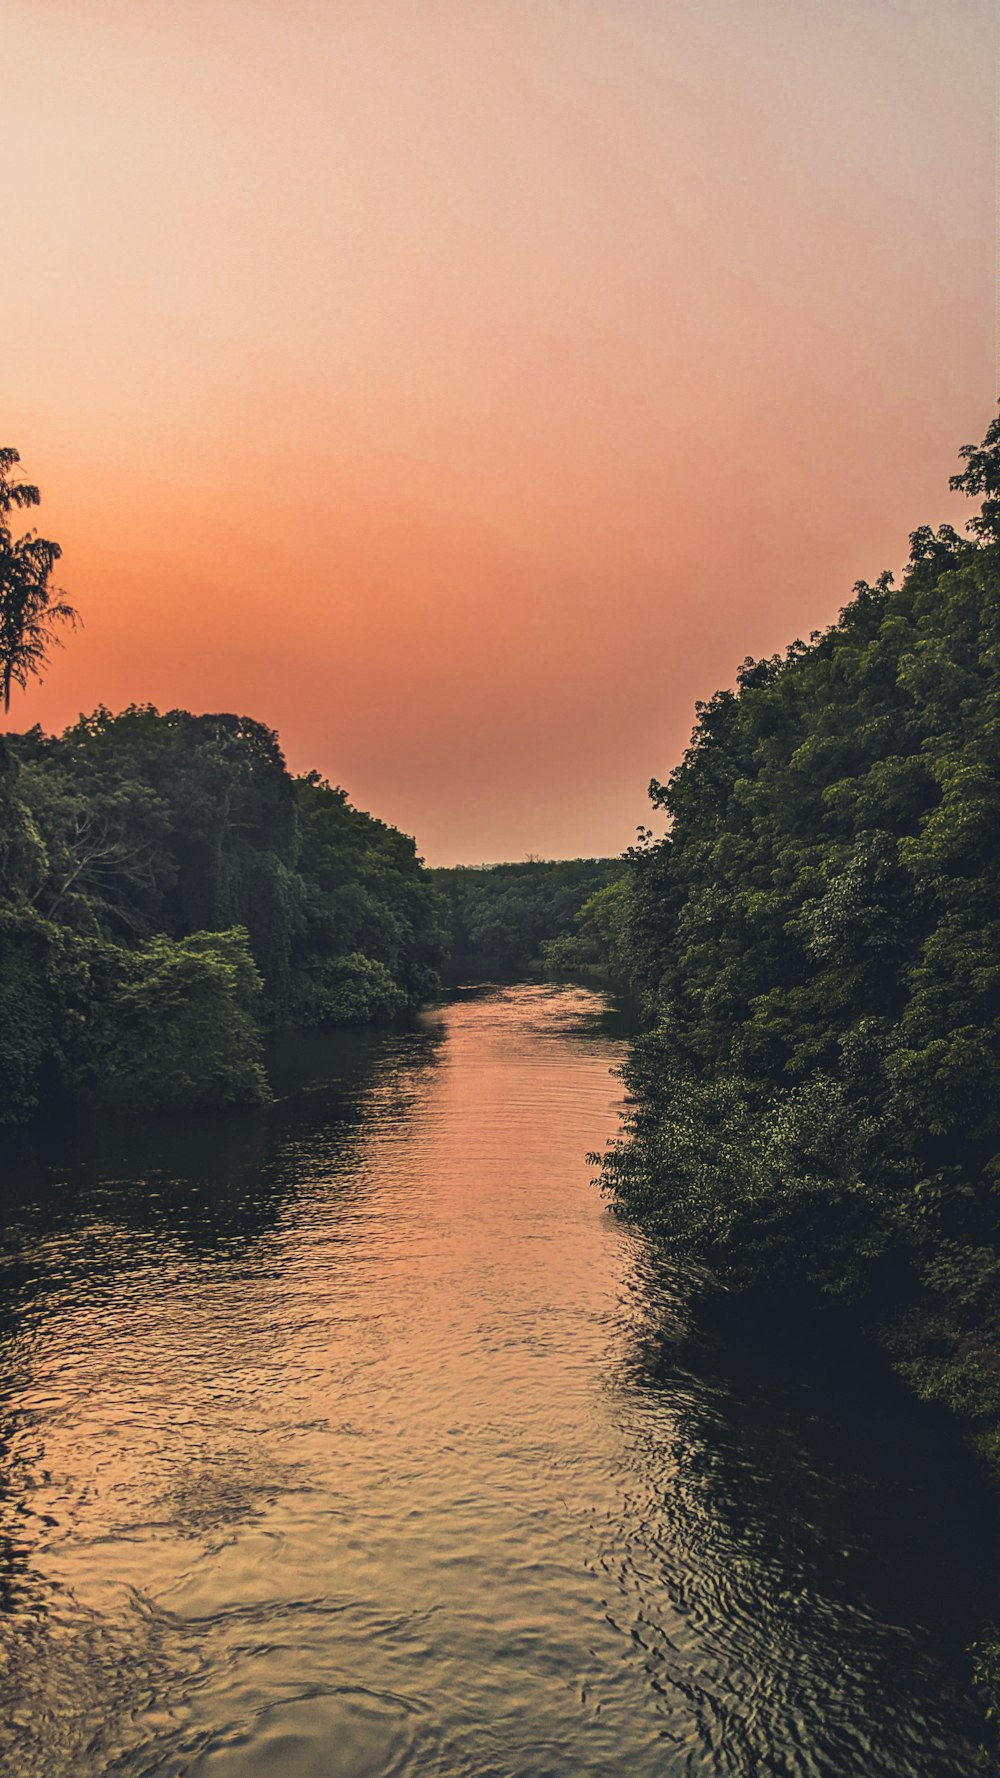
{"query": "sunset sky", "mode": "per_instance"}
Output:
(464, 387)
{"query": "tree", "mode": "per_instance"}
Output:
(30, 608)
(817, 942)
(981, 475)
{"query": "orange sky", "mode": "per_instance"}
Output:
(463, 387)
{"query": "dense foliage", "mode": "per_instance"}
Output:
(599, 943)
(818, 935)
(167, 888)
(504, 918)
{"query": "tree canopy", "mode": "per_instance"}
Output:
(817, 937)
(155, 863)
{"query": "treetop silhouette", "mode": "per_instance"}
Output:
(31, 609)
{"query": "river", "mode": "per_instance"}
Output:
(354, 1439)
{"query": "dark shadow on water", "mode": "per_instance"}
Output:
(207, 1179)
(854, 1502)
(84, 1198)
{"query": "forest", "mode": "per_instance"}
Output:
(168, 890)
(816, 939)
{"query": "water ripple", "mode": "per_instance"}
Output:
(358, 1439)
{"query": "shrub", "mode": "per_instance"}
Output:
(176, 1027)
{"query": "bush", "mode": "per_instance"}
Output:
(351, 990)
(787, 1190)
(176, 1027)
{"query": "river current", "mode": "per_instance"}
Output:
(356, 1439)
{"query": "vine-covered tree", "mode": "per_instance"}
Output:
(31, 609)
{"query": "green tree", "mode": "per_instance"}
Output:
(166, 889)
(817, 938)
(31, 609)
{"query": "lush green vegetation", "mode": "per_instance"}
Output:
(598, 944)
(817, 1100)
(818, 935)
(507, 918)
(167, 889)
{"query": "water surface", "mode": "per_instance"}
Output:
(354, 1438)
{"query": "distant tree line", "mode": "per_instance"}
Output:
(507, 918)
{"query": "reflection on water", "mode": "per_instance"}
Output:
(354, 1438)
